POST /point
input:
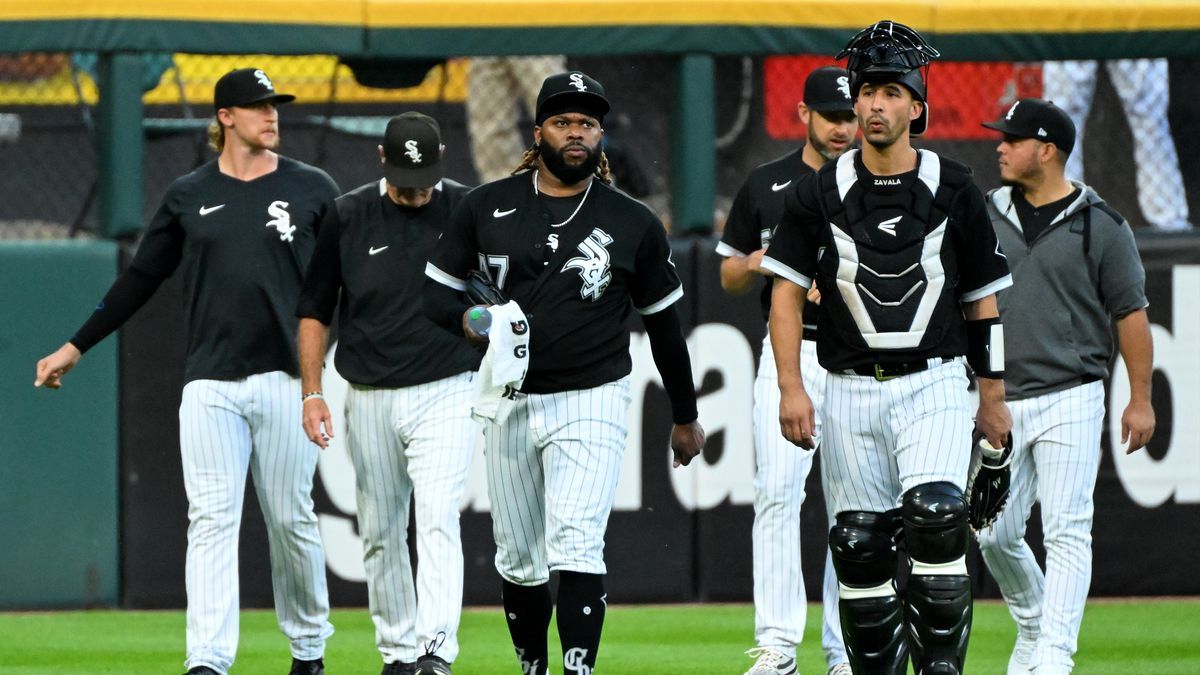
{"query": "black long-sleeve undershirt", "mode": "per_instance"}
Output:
(125, 297)
(671, 357)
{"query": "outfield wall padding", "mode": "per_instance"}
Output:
(58, 450)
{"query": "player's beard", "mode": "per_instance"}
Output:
(570, 174)
(824, 150)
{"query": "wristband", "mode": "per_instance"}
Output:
(312, 394)
(985, 347)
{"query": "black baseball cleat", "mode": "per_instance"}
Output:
(432, 665)
(399, 668)
(200, 670)
(314, 667)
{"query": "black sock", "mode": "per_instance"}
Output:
(581, 605)
(528, 610)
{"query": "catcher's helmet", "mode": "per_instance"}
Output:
(891, 52)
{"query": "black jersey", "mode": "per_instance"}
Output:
(375, 251)
(243, 247)
(610, 256)
(893, 256)
(755, 214)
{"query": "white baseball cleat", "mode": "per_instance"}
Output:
(770, 662)
(840, 669)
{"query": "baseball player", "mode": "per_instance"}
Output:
(576, 255)
(408, 412)
(1143, 86)
(780, 601)
(908, 266)
(1075, 265)
(240, 229)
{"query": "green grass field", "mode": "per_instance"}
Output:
(1119, 637)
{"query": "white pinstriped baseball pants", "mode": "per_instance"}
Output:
(1144, 90)
(780, 598)
(552, 472)
(1056, 456)
(227, 427)
(883, 438)
(412, 443)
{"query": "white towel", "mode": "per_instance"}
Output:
(503, 369)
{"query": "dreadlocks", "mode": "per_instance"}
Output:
(529, 161)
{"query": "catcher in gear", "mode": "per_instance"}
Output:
(898, 241)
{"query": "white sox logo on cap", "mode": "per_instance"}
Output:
(843, 84)
(577, 82)
(413, 153)
(1012, 110)
(264, 80)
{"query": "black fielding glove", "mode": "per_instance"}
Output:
(988, 484)
(481, 290)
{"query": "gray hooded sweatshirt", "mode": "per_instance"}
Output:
(1081, 270)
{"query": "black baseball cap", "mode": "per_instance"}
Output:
(1040, 119)
(412, 151)
(245, 87)
(572, 91)
(827, 89)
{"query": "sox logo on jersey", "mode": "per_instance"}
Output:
(593, 265)
(282, 220)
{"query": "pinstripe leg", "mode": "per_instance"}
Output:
(780, 599)
(585, 433)
(932, 425)
(831, 622)
(516, 486)
(815, 380)
(1068, 459)
(383, 491)
(214, 441)
(863, 479)
(439, 454)
(1005, 551)
(857, 445)
(932, 414)
(282, 463)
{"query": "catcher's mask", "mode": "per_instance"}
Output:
(891, 52)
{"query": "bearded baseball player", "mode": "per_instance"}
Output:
(408, 415)
(899, 243)
(240, 229)
(577, 256)
(780, 600)
(1076, 271)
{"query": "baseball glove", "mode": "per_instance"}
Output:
(988, 484)
(481, 290)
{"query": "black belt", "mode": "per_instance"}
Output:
(887, 371)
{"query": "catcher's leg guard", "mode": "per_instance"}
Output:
(864, 555)
(937, 603)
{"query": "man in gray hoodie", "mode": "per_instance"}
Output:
(1076, 271)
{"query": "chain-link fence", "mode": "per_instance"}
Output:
(1139, 148)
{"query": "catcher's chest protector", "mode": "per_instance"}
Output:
(889, 258)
